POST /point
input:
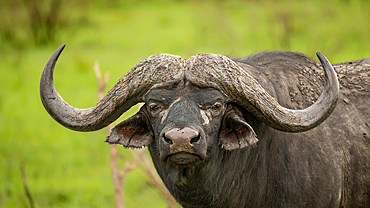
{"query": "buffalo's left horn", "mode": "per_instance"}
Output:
(128, 91)
(222, 73)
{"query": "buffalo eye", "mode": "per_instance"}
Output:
(216, 108)
(155, 108)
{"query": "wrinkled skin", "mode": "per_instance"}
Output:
(328, 166)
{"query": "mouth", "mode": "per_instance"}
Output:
(183, 158)
(184, 163)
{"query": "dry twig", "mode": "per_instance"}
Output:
(25, 185)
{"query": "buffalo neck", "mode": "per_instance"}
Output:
(233, 178)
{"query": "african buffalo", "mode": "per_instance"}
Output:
(252, 132)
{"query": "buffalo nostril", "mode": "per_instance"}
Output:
(167, 140)
(195, 139)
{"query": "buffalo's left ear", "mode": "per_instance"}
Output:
(235, 131)
(134, 132)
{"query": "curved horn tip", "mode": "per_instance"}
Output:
(55, 56)
(63, 45)
(319, 54)
(322, 58)
(60, 49)
(328, 67)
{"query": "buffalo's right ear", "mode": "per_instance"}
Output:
(235, 132)
(134, 132)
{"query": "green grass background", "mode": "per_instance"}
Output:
(72, 169)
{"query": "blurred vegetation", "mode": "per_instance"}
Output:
(71, 169)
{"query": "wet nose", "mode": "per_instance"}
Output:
(181, 140)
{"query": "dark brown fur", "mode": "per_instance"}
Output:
(339, 147)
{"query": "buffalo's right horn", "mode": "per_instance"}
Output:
(128, 91)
